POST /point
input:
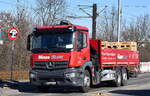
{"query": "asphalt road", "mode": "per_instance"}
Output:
(136, 87)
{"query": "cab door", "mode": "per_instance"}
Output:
(83, 51)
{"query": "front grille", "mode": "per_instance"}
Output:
(41, 65)
(51, 65)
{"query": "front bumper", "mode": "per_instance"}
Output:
(65, 77)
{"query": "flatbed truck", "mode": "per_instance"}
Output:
(64, 55)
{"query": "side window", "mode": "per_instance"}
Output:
(82, 40)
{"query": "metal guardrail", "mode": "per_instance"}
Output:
(144, 67)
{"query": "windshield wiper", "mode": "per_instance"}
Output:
(64, 47)
(35, 50)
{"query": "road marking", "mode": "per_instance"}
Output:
(106, 92)
(6, 86)
(97, 94)
(138, 87)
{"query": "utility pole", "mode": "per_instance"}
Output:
(94, 21)
(93, 17)
(118, 21)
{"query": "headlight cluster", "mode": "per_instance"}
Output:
(70, 75)
(32, 75)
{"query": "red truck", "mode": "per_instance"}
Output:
(64, 55)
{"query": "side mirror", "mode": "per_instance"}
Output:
(29, 42)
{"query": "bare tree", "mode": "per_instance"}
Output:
(49, 12)
(21, 20)
(6, 21)
(139, 31)
(107, 26)
(23, 23)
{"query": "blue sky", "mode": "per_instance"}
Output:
(129, 13)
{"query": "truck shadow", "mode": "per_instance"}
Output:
(132, 92)
(26, 87)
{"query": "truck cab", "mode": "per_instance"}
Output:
(60, 56)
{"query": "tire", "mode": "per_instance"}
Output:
(135, 74)
(117, 81)
(124, 77)
(43, 88)
(86, 82)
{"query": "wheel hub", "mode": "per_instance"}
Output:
(119, 78)
(86, 81)
(124, 76)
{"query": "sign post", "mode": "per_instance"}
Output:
(1, 36)
(13, 35)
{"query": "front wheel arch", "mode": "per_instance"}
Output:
(88, 66)
(89, 70)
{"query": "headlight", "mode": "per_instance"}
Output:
(32, 75)
(70, 74)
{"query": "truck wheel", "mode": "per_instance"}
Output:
(135, 74)
(86, 82)
(43, 88)
(117, 81)
(124, 77)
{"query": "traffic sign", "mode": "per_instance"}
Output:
(13, 33)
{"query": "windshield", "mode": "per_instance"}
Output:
(54, 42)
